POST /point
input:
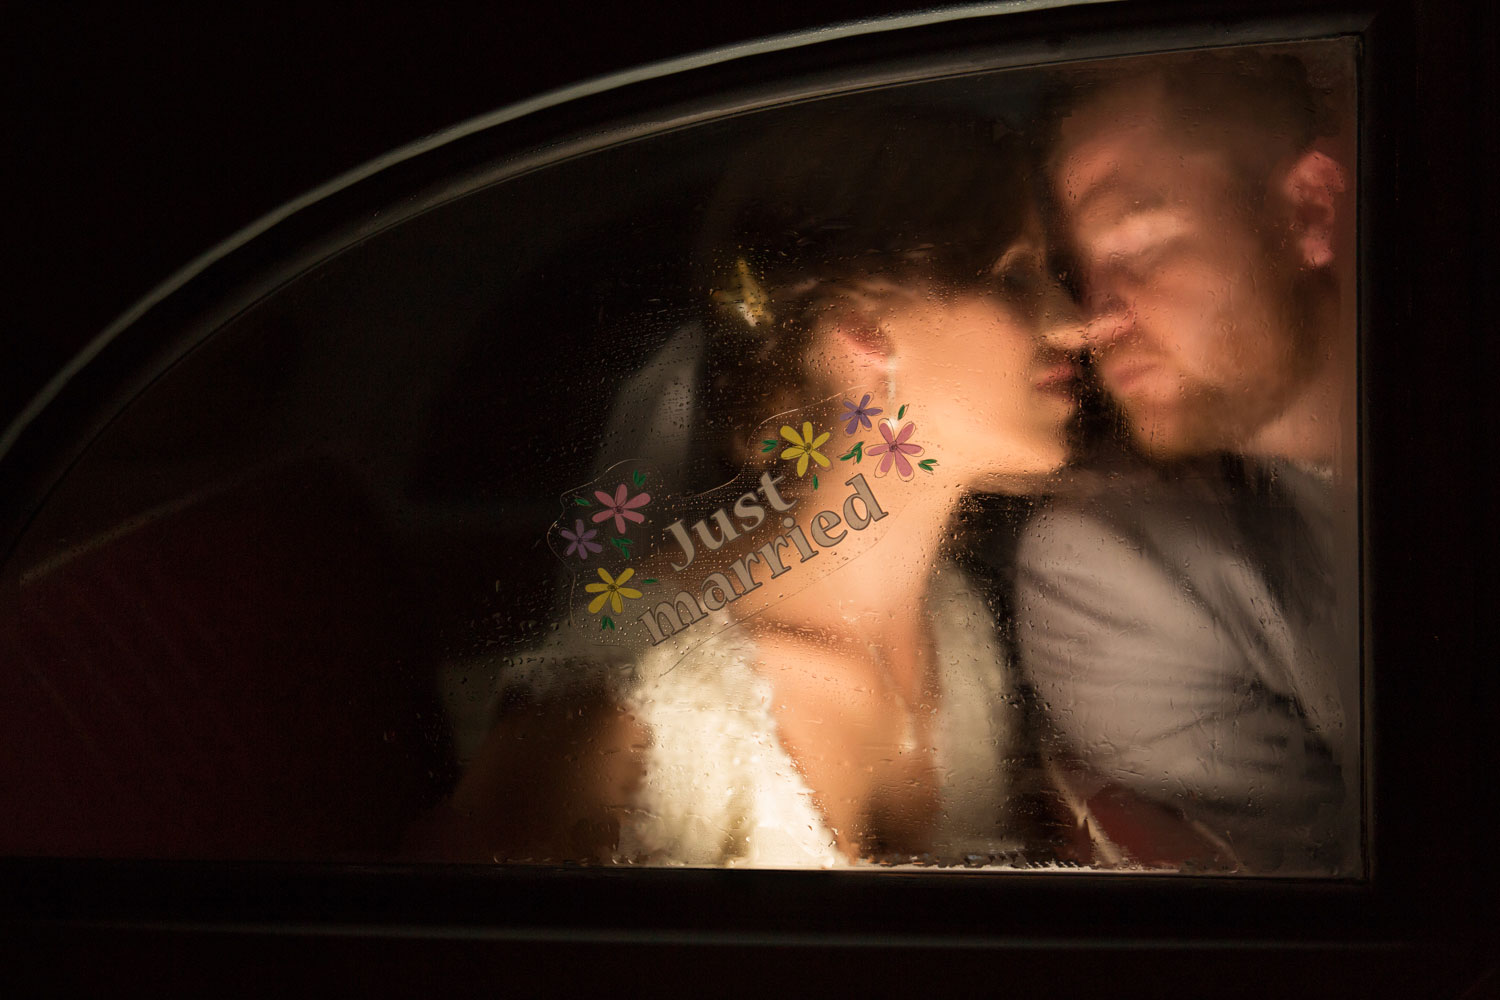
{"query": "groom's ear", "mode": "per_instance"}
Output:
(1311, 190)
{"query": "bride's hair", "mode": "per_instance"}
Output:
(819, 196)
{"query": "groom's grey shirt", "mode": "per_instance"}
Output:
(1190, 632)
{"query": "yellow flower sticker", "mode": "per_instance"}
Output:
(804, 446)
(611, 590)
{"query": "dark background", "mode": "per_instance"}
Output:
(139, 138)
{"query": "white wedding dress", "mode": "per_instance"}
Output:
(720, 790)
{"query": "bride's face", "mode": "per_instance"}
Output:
(989, 401)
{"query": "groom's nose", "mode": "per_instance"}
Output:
(1109, 322)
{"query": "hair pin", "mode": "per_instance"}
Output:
(746, 296)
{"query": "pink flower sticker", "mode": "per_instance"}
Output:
(895, 450)
(620, 508)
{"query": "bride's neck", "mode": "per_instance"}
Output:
(871, 592)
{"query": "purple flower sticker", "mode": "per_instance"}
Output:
(581, 541)
(895, 450)
(619, 508)
(859, 416)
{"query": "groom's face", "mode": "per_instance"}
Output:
(1184, 274)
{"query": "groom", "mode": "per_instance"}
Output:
(1189, 623)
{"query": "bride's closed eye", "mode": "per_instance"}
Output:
(1019, 272)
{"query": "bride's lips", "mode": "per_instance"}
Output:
(1057, 377)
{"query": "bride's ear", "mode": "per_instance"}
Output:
(852, 348)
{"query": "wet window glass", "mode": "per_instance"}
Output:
(956, 474)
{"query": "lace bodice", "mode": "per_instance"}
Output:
(719, 788)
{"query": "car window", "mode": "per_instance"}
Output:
(954, 473)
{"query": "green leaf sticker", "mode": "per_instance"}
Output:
(901, 412)
(857, 453)
(623, 544)
(607, 622)
(815, 480)
(580, 501)
(639, 477)
(649, 579)
(770, 445)
(926, 464)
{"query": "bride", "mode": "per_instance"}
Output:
(875, 329)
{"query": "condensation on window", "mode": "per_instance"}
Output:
(957, 474)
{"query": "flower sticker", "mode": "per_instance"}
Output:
(804, 447)
(619, 508)
(580, 541)
(611, 590)
(896, 449)
(859, 416)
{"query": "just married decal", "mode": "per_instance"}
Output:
(642, 574)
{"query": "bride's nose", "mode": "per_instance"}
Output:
(1062, 324)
